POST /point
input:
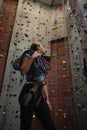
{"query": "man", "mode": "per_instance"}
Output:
(35, 67)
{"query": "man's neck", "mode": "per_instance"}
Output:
(39, 52)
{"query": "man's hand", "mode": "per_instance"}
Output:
(36, 54)
(49, 104)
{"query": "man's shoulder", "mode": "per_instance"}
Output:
(28, 53)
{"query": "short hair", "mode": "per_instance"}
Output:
(34, 46)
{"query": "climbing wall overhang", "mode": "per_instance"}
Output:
(51, 2)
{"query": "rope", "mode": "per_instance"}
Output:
(39, 64)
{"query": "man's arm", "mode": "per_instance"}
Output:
(26, 65)
(27, 62)
(45, 91)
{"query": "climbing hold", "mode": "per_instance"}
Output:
(46, 20)
(85, 30)
(26, 17)
(60, 8)
(53, 55)
(84, 4)
(55, 21)
(55, 27)
(14, 94)
(63, 62)
(10, 94)
(1, 41)
(64, 127)
(1, 56)
(71, 25)
(81, 89)
(64, 76)
(60, 110)
(0, 106)
(81, 40)
(1, 29)
(16, 116)
(28, 21)
(64, 114)
(26, 35)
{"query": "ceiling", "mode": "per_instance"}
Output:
(52, 2)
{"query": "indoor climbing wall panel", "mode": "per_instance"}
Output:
(83, 7)
(34, 22)
(60, 86)
(77, 43)
(7, 17)
(1, 1)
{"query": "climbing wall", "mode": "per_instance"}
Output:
(77, 29)
(83, 8)
(1, 4)
(7, 17)
(60, 86)
(34, 22)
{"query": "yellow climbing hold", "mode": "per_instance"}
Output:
(63, 62)
(54, 27)
(1, 56)
(60, 109)
(1, 41)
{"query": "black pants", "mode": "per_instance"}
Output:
(42, 112)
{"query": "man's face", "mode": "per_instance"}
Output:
(41, 48)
